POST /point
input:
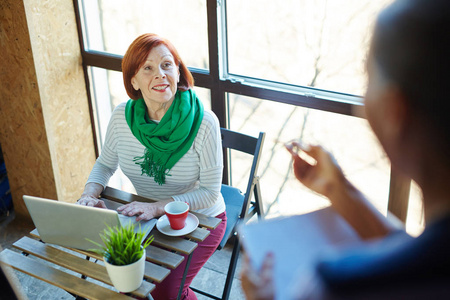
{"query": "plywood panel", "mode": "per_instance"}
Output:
(57, 58)
(45, 128)
(22, 128)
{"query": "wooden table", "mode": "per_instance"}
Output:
(163, 255)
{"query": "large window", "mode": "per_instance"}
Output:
(316, 43)
(112, 25)
(294, 70)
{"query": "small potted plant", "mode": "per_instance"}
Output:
(124, 256)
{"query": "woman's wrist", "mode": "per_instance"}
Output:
(161, 206)
(92, 190)
(89, 194)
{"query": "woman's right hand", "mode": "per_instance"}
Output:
(323, 176)
(89, 200)
(91, 194)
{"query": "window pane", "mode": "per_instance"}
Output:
(315, 43)
(205, 96)
(349, 139)
(111, 26)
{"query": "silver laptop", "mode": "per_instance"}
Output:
(70, 225)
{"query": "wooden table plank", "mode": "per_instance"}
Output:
(122, 197)
(111, 204)
(207, 222)
(75, 263)
(198, 235)
(173, 243)
(160, 259)
(118, 197)
(201, 235)
(154, 254)
(70, 283)
(34, 233)
(164, 257)
(153, 272)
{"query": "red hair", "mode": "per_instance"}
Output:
(136, 56)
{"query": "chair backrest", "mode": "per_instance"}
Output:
(239, 205)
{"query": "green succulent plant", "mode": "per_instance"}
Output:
(122, 246)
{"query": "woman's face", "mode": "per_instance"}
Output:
(158, 77)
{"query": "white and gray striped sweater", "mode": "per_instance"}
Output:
(196, 178)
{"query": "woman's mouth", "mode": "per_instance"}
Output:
(160, 88)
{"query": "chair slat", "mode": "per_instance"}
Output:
(70, 283)
(238, 141)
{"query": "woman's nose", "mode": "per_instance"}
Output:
(160, 74)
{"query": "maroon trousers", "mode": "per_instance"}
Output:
(169, 287)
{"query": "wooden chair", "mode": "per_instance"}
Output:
(239, 206)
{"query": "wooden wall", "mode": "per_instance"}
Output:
(45, 129)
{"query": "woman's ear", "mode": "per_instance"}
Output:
(134, 84)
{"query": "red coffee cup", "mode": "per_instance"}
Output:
(177, 212)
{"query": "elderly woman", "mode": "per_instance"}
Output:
(167, 145)
(407, 107)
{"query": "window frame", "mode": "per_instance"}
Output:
(220, 82)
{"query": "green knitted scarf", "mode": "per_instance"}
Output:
(167, 141)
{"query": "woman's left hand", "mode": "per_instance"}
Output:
(143, 210)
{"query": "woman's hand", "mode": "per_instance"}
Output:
(90, 195)
(143, 210)
(258, 285)
(90, 200)
(321, 177)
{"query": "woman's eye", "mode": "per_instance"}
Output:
(147, 68)
(167, 65)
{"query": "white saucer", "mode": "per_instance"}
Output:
(164, 226)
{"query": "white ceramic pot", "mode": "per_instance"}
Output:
(126, 278)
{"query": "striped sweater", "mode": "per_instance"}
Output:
(196, 178)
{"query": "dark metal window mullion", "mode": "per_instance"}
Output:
(86, 74)
(218, 96)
